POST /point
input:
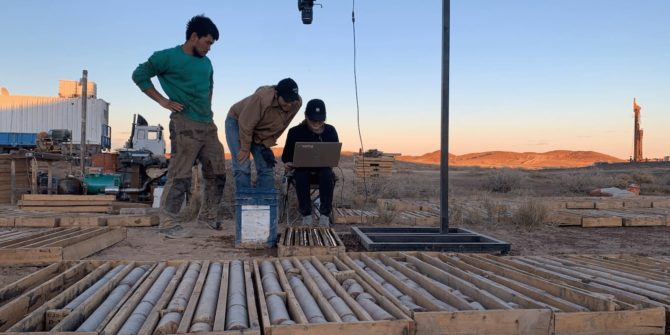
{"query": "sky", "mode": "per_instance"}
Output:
(525, 75)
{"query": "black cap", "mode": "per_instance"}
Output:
(316, 110)
(287, 89)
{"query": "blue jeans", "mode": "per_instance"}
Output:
(242, 171)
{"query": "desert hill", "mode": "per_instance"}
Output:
(528, 160)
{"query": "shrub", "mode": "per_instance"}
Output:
(531, 214)
(503, 181)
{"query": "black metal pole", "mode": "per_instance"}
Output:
(444, 131)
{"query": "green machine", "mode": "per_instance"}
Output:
(97, 182)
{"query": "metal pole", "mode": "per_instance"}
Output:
(84, 93)
(444, 132)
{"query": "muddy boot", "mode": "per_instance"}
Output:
(170, 226)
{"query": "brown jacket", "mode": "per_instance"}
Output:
(260, 118)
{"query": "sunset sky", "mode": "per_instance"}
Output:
(526, 75)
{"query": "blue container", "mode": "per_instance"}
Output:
(256, 218)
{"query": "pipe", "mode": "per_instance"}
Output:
(93, 288)
(141, 312)
(302, 294)
(206, 310)
(236, 316)
(112, 300)
(173, 313)
(340, 307)
(275, 302)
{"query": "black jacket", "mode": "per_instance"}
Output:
(302, 133)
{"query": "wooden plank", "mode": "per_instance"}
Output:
(28, 204)
(637, 203)
(39, 237)
(580, 204)
(37, 221)
(17, 288)
(35, 321)
(133, 221)
(646, 321)
(14, 311)
(75, 233)
(26, 236)
(631, 219)
(609, 204)
(397, 327)
(593, 302)
(40, 256)
(222, 302)
(67, 197)
(72, 209)
(594, 221)
(94, 244)
(504, 322)
(7, 221)
(82, 221)
(79, 236)
(254, 323)
(565, 218)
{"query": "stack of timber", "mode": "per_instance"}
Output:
(382, 165)
(302, 296)
(67, 203)
(309, 241)
(97, 297)
(354, 216)
(483, 294)
(12, 217)
(14, 177)
(53, 245)
(613, 212)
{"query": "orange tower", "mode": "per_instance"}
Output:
(637, 136)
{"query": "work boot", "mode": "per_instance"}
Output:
(170, 226)
(307, 220)
(324, 221)
(174, 232)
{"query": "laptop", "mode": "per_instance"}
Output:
(316, 154)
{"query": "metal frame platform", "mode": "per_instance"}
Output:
(405, 239)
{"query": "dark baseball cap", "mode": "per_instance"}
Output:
(316, 110)
(287, 89)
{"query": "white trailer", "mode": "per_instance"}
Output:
(31, 114)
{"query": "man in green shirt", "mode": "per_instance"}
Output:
(186, 77)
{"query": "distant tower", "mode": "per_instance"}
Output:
(637, 137)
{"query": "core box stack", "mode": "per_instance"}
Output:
(97, 297)
(312, 295)
(365, 166)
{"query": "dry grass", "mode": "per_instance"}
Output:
(504, 180)
(531, 214)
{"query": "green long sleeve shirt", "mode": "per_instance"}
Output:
(185, 78)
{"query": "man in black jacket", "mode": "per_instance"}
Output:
(312, 129)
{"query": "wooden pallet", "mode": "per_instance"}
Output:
(509, 295)
(297, 241)
(67, 203)
(354, 216)
(373, 166)
(54, 245)
(10, 217)
(407, 205)
(34, 304)
(400, 325)
(627, 217)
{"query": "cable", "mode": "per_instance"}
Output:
(358, 111)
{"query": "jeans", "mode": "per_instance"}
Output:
(242, 171)
(304, 177)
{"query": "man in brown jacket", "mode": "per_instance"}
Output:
(253, 126)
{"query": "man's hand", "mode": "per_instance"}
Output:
(243, 156)
(288, 167)
(173, 106)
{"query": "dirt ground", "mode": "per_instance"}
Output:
(421, 182)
